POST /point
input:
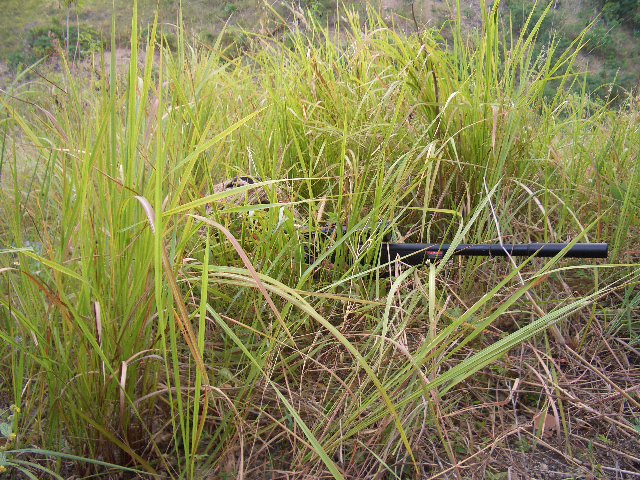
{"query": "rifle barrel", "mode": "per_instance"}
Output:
(418, 253)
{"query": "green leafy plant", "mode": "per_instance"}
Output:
(46, 42)
(229, 9)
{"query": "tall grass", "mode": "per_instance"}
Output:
(161, 325)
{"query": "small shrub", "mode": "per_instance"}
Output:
(318, 8)
(50, 40)
(229, 9)
(91, 41)
(599, 41)
(17, 60)
(44, 41)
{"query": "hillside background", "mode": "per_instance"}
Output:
(29, 28)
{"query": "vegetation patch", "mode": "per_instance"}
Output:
(191, 284)
(50, 41)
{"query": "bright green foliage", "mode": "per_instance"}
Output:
(161, 324)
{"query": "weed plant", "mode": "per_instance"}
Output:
(150, 322)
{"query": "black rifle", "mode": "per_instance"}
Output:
(419, 253)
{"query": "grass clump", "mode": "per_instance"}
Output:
(164, 326)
